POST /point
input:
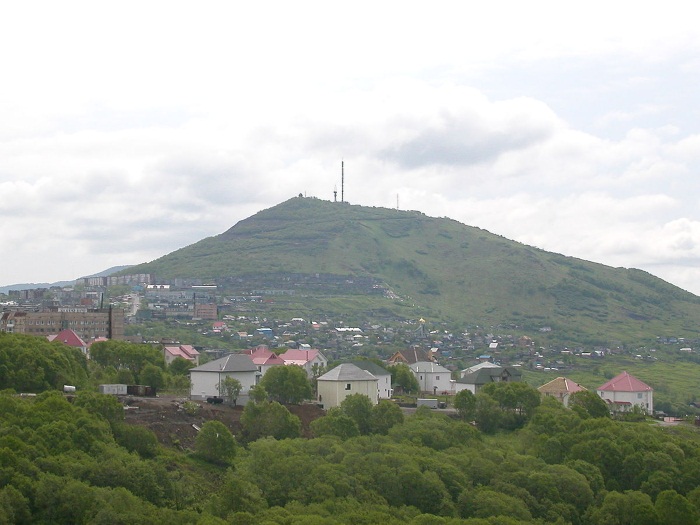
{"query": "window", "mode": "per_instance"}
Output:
(437, 378)
(639, 395)
(347, 386)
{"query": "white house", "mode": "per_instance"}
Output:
(432, 377)
(624, 391)
(560, 388)
(344, 380)
(309, 359)
(207, 378)
(383, 376)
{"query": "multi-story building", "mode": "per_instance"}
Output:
(88, 323)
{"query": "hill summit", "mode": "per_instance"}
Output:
(437, 267)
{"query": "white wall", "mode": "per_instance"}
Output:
(205, 384)
(332, 393)
(644, 399)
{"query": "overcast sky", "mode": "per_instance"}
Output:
(131, 129)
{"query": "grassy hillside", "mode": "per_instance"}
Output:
(443, 269)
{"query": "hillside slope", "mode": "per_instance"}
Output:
(452, 271)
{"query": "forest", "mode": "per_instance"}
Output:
(75, 460)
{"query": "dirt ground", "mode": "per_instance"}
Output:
(166, 417)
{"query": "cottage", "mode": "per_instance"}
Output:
(560, 388)
(432, 377)
(206, 379)
(383, 376)
(485, 375)
(311, 360)
(264, 358)
(184, 351)
(70, 338)
(344, 380)
(624, 392)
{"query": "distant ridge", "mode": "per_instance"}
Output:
(436, 268)
(30, 286)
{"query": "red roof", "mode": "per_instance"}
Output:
(625, 383)
(70, 338)
(185, 351)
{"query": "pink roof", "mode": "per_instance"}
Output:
(70, 338)
(267, 360)
(299, 357)
(560, 385)
(184, 351)
(625, 383)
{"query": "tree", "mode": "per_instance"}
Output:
(383, 416)
(152, 375)
(465, 403)
(287, 384)
(335, 423)
(180, 366)
(230, 387)
(121, 354)
(675, 509)
(403, 377)
(358, 407)
(269, 418)
(587, 404)
(215, 443)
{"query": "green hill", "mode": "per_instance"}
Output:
(436, 267)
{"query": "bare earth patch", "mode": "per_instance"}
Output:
(166, 417)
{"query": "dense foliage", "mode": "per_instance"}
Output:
(32, 364)
(508, 458)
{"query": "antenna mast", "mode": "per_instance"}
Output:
(342, 181)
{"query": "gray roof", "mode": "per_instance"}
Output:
(372, 368)
(230, 363)
(491, 375)
(347, 372)
(428, 367)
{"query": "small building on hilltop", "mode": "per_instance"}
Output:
(345, 380)
(623, 392)
(560, 388)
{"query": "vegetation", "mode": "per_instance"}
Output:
(434, 268)
(287, 384)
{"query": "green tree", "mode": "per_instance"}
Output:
(230, 389)
(358, 407)
(152, 375)
(383, 416)
(630, 508)
(180, 366)
(103, 405)
(287, 384)
(121, 354)
(335, 423)
(269, 418)
(215, 443)
(588, 404)
(465, 403)
(402, 377)
(674, 509)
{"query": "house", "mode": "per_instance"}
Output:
(623, 392)
(207, 378)
(70, 338)
(264, 358)
(485, 375)
(311, 360)
(383, 377)
(344, 380)
(410, 356)
(560, 388)
(482, 364)
(432, 377)
(184, 351)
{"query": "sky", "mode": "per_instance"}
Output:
(131, 129)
